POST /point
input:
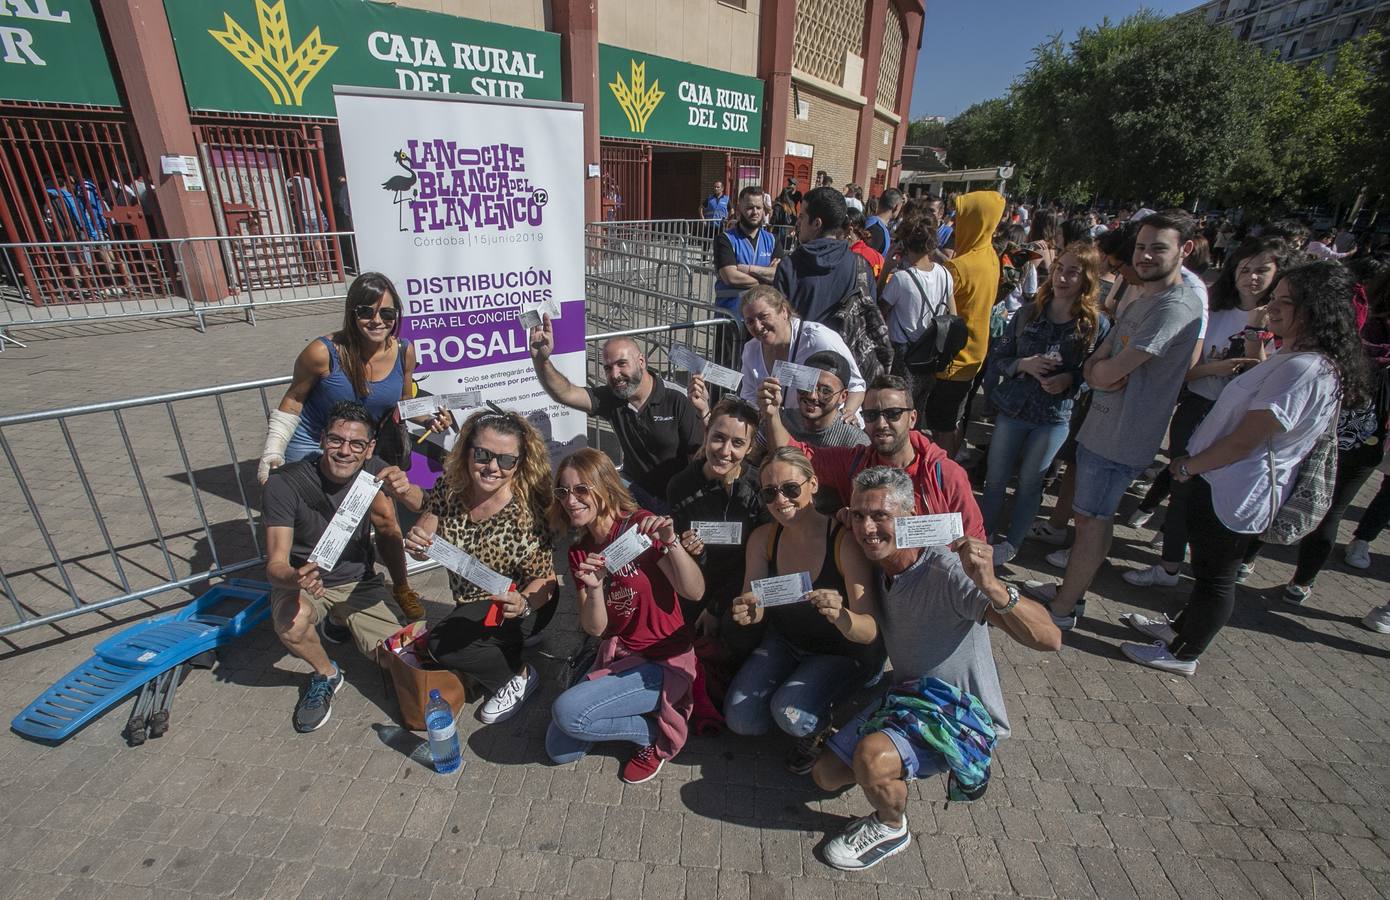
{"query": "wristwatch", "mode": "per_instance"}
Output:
(1182, 468)
(1007, 607)
(525, 609)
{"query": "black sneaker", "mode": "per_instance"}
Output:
(316, 705)
(801, 759)
(332, 632)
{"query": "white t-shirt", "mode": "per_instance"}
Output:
(807, 338)
(1221, 326)
(907, 318)
(854, 203)
(1301, 390)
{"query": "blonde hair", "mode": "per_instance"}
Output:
(767, 293)
(531, 482)
(607, 494)
(791, 456)
(1084, 308)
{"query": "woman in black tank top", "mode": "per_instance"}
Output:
(806, 661)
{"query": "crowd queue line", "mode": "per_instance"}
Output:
(757, 533)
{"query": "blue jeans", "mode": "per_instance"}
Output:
(610, 708)
(779, 683)
(1027, 449)
(1100, 483)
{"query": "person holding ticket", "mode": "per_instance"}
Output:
(364, 361)
(810, 582)
(328, 507)
(630, 571)
(657, 427)
(816, 418)
(936, 604)
(780, 336)
(715, 505)
(485, 521)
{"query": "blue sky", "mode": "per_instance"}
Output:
(973, 49)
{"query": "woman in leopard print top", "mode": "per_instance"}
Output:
(490, 503)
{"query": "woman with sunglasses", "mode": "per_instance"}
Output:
(363, 361)
(491, 502)
(814, 652)
(781, 335)
(640, 687)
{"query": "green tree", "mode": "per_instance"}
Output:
(983, 135)
(926, 133)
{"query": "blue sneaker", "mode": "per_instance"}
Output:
(316, 705)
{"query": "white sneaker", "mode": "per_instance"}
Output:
(1043, 531)
(1004, 552)
(1358, 555)
(1378, 619)
(1059, 558)
(1153, 575)
(508, 699)
(866, 842)
(1157, 656)
(1045, 592)
(1244, 572)
(1158, 629)
(1139, 518)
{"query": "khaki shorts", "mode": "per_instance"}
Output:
(360, 605)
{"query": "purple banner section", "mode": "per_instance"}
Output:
(465, 340)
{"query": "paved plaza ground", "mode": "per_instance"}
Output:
(1265, 775)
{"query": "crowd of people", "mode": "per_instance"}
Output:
(1082, 344)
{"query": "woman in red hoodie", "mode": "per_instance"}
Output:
(639, 689)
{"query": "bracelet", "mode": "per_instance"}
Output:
(1007, 607)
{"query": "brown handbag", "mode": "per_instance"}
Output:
(400, 655)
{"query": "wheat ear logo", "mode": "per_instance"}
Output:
(638, 101)
(282, 69)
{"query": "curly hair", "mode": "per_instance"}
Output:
(366, 290)
(608, 496)
(1085, 307)
(1223, 293)
(1321, 293)
(917, 233)
(531, 484)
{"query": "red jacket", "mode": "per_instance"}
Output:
(940, 485)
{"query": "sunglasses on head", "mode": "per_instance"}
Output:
(505, 461)
(892, 414)
(789, 489)
(579, 490)
(368, 311)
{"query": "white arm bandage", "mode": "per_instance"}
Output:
(279, 431)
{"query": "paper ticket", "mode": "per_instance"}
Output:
(531, 313)
(782, 589)
(682, 357)
(341, 527)
(427, 406)
(794, 376)
(469, 567)
(729, 533)
(928, 531)
(628, 546)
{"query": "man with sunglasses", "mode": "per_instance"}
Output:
(657, 427)
(941, 485)
(351, 600)
(935, 608)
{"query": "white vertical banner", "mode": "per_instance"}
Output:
(474, 207)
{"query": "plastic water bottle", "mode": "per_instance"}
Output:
(444, 738)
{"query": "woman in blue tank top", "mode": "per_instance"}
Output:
(364, 361)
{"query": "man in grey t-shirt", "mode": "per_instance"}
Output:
(934, 616)
(1135, 376)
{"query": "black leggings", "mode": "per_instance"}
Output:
(488, 655)
(1354, 467)
(1188, 415)
(1216, 556)
(1377, 514)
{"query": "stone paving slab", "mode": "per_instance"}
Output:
(1266, 775)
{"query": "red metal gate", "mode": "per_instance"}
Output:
(268, 178)
(627, 180)
(77, 176)
(746, 169)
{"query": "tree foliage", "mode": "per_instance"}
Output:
(1174, 109)
(926, 133)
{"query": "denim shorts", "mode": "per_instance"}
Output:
(1100, 483)
(918, 761)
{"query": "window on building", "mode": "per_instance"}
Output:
(736, 4)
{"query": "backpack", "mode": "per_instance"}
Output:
(859, 322)
(943, 336)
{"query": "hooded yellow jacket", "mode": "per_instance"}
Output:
(975, 268)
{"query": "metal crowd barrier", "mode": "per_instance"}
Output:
(112, 503)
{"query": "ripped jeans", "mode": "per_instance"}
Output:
(782, 684)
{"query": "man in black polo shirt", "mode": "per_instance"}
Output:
(657, 427)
